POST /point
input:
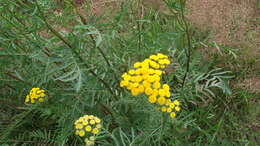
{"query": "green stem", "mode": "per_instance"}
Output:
(186, 27)
(84, 21)
(188, 54)
(73, 50)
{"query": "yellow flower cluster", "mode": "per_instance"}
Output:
(145, 78)
(171, 107)
(87, 125)
(35, 95)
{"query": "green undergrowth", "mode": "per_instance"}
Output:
(78, 60)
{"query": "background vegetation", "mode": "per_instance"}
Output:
(78, 55)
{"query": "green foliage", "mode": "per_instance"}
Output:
(79, 64)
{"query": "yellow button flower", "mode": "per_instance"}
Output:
(147, 60)
(131, 72)
(134, 91)
(138, 78)
(148, 91)
(95, 131)
(172, 105)
(154, 57)
(79, 126)
(123, 75)
(168, 94)
(169, 109)
(158, 72)
(85, 122)
(86, 117)
(150, 79)
(88, 128)
(137, 64)
(160, 55)
(130, 86)
(92, 122)
(161, 100)
(156, 85)
(146, 84)
(124, 83)
(126, 77)
(144, 71)
(152, 99)
(140, 88)
(176, 102)
(81, 133)
(163, 109)
(145, 77)
(145, 66)
(162, 66)
(168, 101)
(154, 64)
(167, 61)
(155, 92)
(151, 71)
(161, 62)
(173, 114)
(138, 71)
(97, 120)
(135, 85)
(162, 92)
(157, 78)
(177, 108)
(81, 119)
(166, 87)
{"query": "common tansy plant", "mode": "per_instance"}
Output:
(88, 126)
(36, 95)
(145, 78)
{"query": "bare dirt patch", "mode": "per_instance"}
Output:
(104, 7)
(233, 22)
(252, 84)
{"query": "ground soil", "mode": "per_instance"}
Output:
(233, 23)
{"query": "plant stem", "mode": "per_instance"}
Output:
(188, 53)
(139, 25)
(84, 21)
(73, 50)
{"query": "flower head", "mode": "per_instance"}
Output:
(87, 126)
(145, 77)
(35, 95)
